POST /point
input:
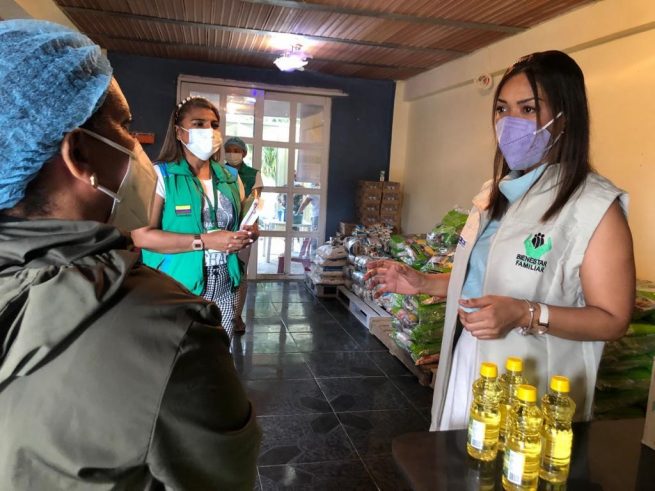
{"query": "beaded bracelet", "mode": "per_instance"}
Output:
(525, 330)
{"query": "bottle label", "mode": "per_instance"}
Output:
(558, 448)
(513, 467)
(476, 433)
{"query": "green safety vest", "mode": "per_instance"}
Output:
(247, 175)
(182, 213)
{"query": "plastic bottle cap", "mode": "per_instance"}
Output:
(514, 364)
(488, 369)
(526, 393)
(559, 383)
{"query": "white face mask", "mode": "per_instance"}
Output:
(203, 142)
(234, 158)
(133, 200)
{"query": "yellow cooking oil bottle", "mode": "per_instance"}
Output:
(484, 417)
(480, 475)
(509, 381)
(523, 444)
(556, 434)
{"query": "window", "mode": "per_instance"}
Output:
(288, 136)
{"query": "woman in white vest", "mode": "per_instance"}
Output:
(544, 268)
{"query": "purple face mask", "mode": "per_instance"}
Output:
(521, 142)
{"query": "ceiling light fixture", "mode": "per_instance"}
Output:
(293, 59)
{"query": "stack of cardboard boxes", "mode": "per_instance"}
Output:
(379, 202)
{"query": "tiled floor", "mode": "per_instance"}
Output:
(328, 395)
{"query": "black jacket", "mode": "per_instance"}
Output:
(112, 376)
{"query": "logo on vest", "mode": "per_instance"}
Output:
(535, 248)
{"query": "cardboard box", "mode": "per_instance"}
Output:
(390, 186)
(369, 220)
(391, 197)
(369, 196)
(649, 426)
(390, 208)
(392, 221)
(368, 209)
(372, 185)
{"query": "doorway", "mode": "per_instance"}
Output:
(288, 136)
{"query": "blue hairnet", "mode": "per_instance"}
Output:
(52, 79)
(235, 140)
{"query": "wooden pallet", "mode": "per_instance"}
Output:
(378, 322)
(321, 291)
(368, 313)
(425, 374)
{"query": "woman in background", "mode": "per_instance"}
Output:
(235, 151)
(194, 231)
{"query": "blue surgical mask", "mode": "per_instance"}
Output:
(523, 144)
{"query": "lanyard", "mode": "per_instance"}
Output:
(212, 208)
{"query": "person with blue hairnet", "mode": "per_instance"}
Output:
(235, 153)
(112, 375)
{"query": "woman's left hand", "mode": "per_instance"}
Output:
(496, 316)
(253, 231)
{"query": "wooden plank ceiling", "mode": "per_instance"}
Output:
(392, 39)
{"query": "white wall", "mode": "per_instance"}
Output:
(448, 147)
(399, 136)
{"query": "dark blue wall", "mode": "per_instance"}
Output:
(360, 132)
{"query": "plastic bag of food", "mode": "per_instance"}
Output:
(406, 318)
(410, 303)
(321, 261)
(319, 279)
(445, 235)
(401, 339)
(644, 310)
(441, 263)
(358, 277)
(431, 310)
(328, 251)
(325, 271)
(362, 262)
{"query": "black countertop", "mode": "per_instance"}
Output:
(607, 455)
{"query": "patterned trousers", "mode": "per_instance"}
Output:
(218, 289)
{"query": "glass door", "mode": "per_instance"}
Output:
(287, 136)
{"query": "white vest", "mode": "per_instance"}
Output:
(519, 266)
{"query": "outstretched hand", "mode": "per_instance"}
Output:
(392, 276)
(495, 317)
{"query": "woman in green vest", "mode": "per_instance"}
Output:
(194, 232)
(235, 151)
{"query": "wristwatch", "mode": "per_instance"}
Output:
(197, 244)
(543, 322)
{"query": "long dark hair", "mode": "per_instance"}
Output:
(171, 150)
(562, 82)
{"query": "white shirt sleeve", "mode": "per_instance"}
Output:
(160, 189)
